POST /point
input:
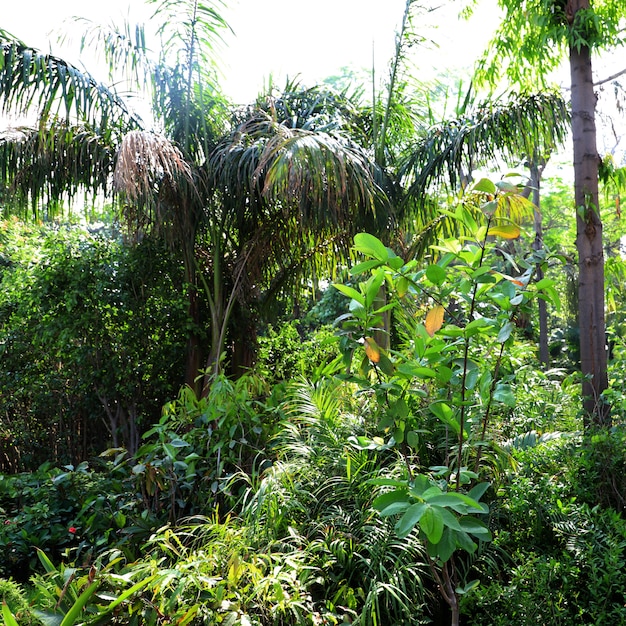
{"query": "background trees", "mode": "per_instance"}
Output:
(575, 29)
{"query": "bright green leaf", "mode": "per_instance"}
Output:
(431, 523)
(371, 246)
(350, 292)
(436, 274)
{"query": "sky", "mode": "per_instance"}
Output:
(280, 39)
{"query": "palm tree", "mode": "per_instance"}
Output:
(249, 208)
(292, 187)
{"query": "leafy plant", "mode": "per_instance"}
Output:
(72, 595)
(453, 367)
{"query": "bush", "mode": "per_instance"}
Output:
(15, 597)
(568, 553)
(92, 341)
(287, 353)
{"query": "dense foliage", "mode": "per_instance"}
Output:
(281, 498)
(92, 337)
(395, 455)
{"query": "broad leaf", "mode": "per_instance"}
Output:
(475, 527)
(371, 246)
(431, 523)
(436, 274)
(372, 287)
(411, 517)
(478, 491)
(434, 320)
(506, 231)
(484, 185)
(372, 350)
(505, 332)
(447, 545)
(350, 292)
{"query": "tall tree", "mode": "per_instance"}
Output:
(532, 40)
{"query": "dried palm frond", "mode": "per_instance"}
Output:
(146, 161)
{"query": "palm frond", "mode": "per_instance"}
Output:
(527, 125)
(160, 187)
(45, 165)
(31, 80)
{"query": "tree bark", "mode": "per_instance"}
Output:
(536, 169)
(593, 353)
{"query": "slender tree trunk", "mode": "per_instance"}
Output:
(535, 181)
(593, 354)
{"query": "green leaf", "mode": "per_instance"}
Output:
(445, 414)
(385, 500)
(505, 332)
(465, 542)
(412, 439)
(459, 502)
(436, 274)
(484, 185)
(504, 394)
(420, 485)
(431, 523)
(371, 246)
(9, 619)
(447, 545)
(449, 519)
(385, 364)
(468, 587)
(411, 370)
(76, 611)
(475, 527)
(127, 593)
(507, 187)
(410, 518)
(394, 262)
(544, 283)
(478, 491)
(366, 266)
(402, 286)
(395, 508)
(387, 482)
(350, 292)
(372, 288)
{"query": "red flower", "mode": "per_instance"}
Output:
(72, 530)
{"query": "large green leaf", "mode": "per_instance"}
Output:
(371, 246)
(395, 499)
(475, 527)
(445, 548)
(410, 518)
(432, 524)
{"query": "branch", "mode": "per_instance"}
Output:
(610, 78)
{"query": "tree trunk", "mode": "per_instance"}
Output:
(536, 170)
(593, 354)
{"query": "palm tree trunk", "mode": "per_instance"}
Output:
(593, 354)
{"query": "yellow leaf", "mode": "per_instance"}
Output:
(506, 231)
(434, 320)
(372, 350)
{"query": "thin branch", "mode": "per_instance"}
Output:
(610, 78)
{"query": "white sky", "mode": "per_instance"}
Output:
(278, 38)
(292, 38)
